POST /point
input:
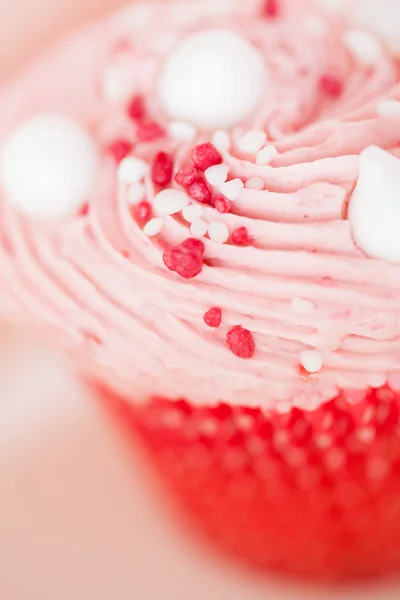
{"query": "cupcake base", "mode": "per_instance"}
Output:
(311, 494)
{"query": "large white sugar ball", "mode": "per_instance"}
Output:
(374, 209)
(48, 167)
(215, 79)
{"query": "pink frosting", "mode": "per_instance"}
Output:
(100, 283)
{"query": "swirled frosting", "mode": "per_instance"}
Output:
(99, 282)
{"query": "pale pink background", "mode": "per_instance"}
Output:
(80, 515)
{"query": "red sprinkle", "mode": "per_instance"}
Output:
(241, 342)
(213, 317)
(161, 169)
(222, 204)
(136, 108)
(272, 8)
(240, 237)
(186, 259)
(205, 156)
(331, 85)
(186, 176)
(119, 149)
(147, 132)
(84, 210)
(142, 212)
(200, 191)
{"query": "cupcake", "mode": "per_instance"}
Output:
(201, 203)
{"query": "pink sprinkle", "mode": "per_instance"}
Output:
(142, 212)
(331, 85)
(240, 237)
(84, 210)
(136, 108)
(161, 170)
(241, 342)
(119, 149)
(186, 176)
(272, 8)
(148, 132)
(205, 156)
(200, 191)
(186, 259)
(213, 317)
(222, 204)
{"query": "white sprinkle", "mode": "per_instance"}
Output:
(364, 46)
(198, 228)
(153, 227)
(301, 306)
(182, 131)
(255, 183)
(231, 189)
(218, 232)
(170, 201)
(132, 170)
(311, 360)
(253, 141)
(389, 107)
(217, 174)
(136, 193)
(192, 213)
(266, 155)
(221, 141)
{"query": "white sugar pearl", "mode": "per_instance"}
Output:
(192, 213)
(231, 189)
(253, 141)
(301, 306)
(389, 107)
(132, 170)
(215, 79)
(170, 201)
(198, 228)
(221, 141)
(48, 167)
(255, 183)
(364, 46)
(181, 131)
(374, 208)
(266, 155)
(136, 193)
(311, 360)
(153, 227)
(217, 174)
(218, 232)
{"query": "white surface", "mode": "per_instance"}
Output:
(374, 209)
(213, 80)
(48, 167)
